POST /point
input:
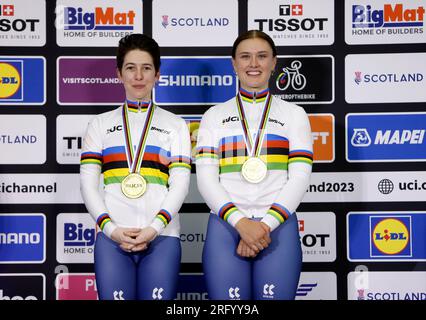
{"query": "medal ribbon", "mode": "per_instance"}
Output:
(134, 161)
(254, 149)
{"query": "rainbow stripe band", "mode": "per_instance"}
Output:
(134, 106)
(180, 162)
(304, 156)
(91, 158)
(206, 152)
(226, 210)
(250, 97)
(164, 216)
(279, 212)
(102, 220)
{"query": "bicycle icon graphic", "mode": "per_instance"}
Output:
(291, 76)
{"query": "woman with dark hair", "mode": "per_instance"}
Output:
(144, 154)
(253, 172)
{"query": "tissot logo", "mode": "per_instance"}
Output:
(305, 22)
(301, 79)
(23, 26)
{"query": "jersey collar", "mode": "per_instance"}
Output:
(253, 96)
(135, 106)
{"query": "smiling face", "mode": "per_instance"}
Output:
(138, 75)
(254, 63)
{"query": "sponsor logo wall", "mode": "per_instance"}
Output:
(357, 68)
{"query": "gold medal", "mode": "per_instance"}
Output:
(254, 170)
(133, 186)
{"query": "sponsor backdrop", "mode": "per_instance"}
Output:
(358, 68)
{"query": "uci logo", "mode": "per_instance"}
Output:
(10, 80)
(390, 236)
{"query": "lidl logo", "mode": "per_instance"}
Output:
(22, 80)
(386, 236)
(10, 80)
(390, 236)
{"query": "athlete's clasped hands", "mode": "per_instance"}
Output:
(255, 236)
(134, 239)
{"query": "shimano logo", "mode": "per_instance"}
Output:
(196, 80)
(161, 130)
(276, 121)
(19, 238)
(230, 119)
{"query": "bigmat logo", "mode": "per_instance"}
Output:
(76, 286)
(22, 80)
(386, 236)
(24, 143)
(191, 286)
(22, 286)
(318, 236)
(195, 81)
(75, 238)
(382, 285)
(96, 23)
(382, 78)
(209, 23)
(88, 80)
(384, 21)
(22, 238)
(322, 126)
(22, 24)
(294, 22)
(393, 137)
(304, 79)
(70, 130)
(317, 286)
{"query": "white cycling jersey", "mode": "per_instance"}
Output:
(165, 166)
(286, 149)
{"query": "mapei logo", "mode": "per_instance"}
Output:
(99, 19)
(390, 16)
(386, 137)
(22, 238)
(11, 80)
(391, 235)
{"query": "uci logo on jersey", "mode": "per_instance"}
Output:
(10, 80)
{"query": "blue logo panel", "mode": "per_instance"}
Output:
(201, 81)
(386, 236)
(22, 238)
(29, 73)
(386, 137)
